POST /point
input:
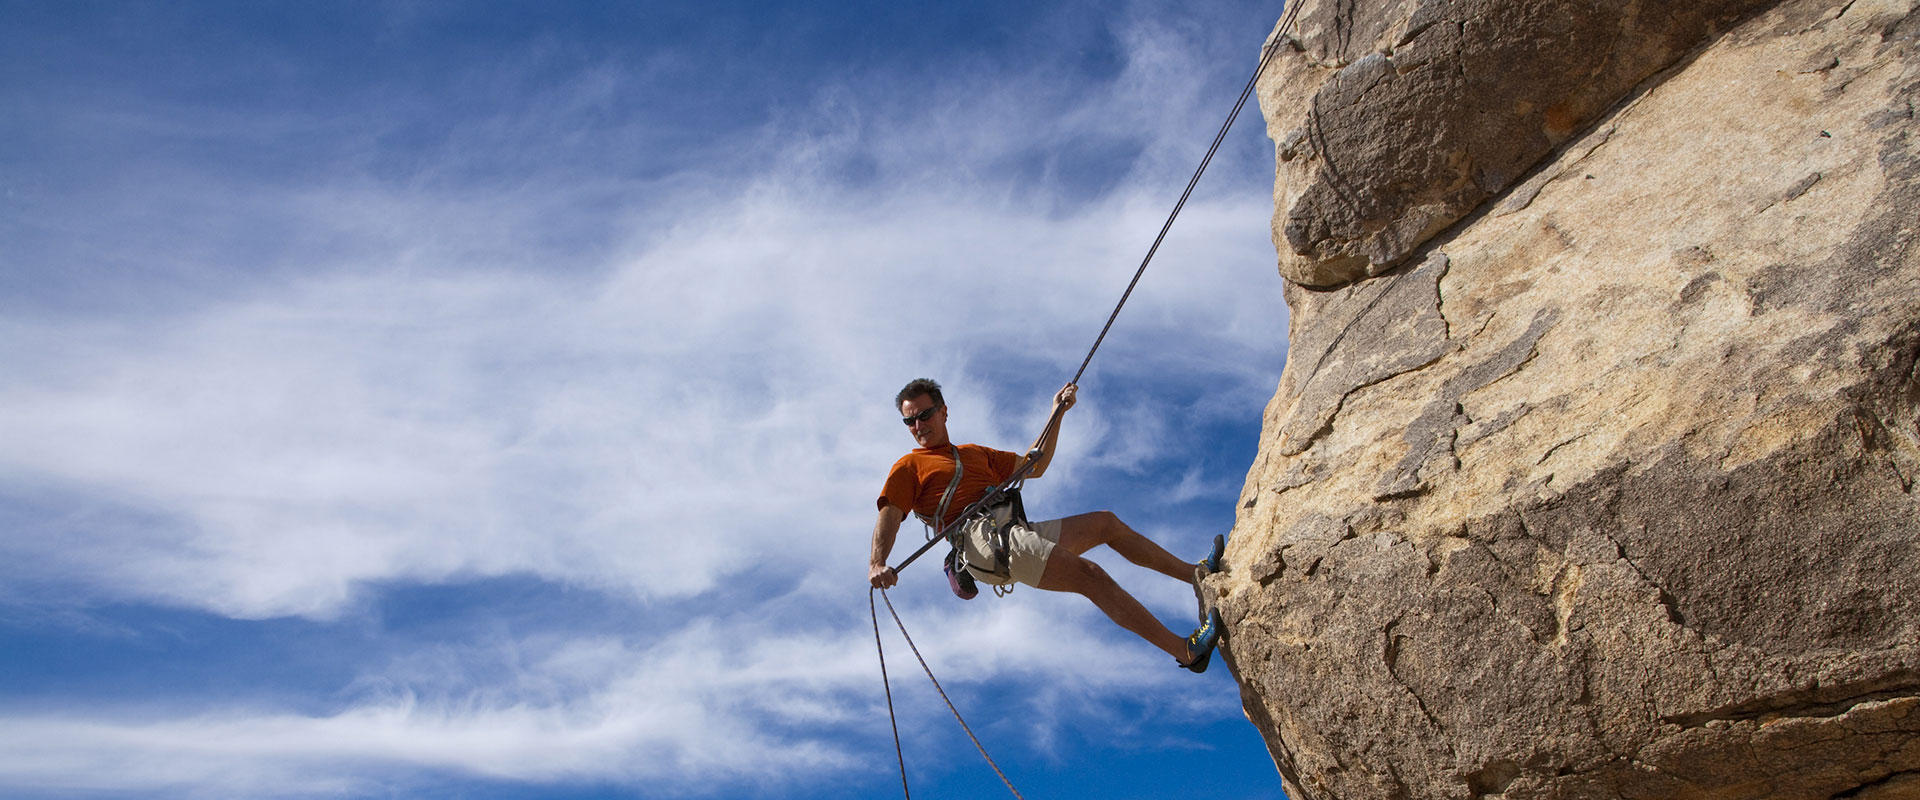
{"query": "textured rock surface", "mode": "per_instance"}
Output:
(1607, 490)
(1394, 119)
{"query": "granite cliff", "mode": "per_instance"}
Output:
(1591, 473)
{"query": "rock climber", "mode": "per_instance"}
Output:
(1046, 555)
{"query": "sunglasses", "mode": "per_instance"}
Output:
(920, 417)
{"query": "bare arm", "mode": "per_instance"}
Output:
(884, 530)
(1050, 438)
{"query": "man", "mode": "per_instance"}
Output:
(1047, 555)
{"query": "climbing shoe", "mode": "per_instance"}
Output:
(1200, 644)
(1212, 562)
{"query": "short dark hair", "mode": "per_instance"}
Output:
(917, 387)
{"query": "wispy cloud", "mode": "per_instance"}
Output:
(587, 709)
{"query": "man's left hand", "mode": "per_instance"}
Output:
(1064, 400)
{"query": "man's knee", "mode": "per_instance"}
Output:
(1099, 526)
(1067, 572)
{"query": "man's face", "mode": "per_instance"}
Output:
(930, 432)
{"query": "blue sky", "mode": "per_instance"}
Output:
(432, 399)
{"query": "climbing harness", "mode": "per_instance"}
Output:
(1007, 491)
(1000, 508)
(958, 578)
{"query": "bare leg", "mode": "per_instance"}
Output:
(1083, 532)
(1068, 572)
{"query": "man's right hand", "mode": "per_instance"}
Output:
(882, 576)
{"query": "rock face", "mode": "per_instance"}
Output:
(1592, 470)
(1396, 120)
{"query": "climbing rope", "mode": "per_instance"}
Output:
(874, 611)
(1286, 24)
(888, 685)
(1053, 423)
(1273, 46)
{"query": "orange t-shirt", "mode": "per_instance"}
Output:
(919, 478)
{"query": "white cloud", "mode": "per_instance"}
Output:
(729, 381)
(655, 712)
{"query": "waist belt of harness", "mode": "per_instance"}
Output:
(960, 574)
(998, 538)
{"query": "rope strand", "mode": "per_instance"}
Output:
(1191, 182)
(936, 686)
(898, 753)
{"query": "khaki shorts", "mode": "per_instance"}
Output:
(1027, 548)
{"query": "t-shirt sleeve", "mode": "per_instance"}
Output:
(903, 487)
(1002, 463)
